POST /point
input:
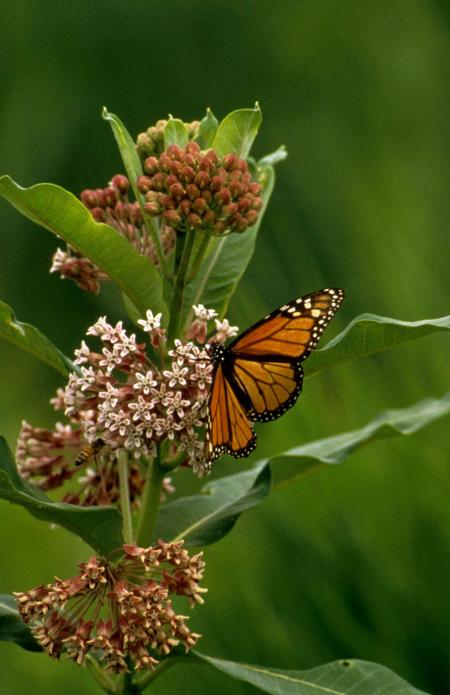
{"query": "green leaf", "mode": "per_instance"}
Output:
(63, 214)
(207, 130)
(292, 464)
(12, 627)
(345, 677)
(367, 334)
(30, 339)
(279, 155)
(133, 168)
(175, 133)
(205, 518)
(227, 260)
(237, 132)
(127, 149)
(100, 527)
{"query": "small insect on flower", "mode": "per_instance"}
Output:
(89, 452)
(259, 376)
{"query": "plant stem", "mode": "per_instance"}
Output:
(150, 501)
(199, 256)
(127, 528)
(153, 229)
(100, 675)
(177, 297)
(149, 677)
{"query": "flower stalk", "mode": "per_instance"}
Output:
(150, 501)
(178, 290)
(125, 507)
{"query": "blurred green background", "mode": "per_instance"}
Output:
(354, 561)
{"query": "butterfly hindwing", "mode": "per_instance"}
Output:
(229, 429)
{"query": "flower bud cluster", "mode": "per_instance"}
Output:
(152, 140)
(118, 610)
(112, 206)
(191, 189)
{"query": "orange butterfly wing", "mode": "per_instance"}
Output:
(229, 430)
(267, 357)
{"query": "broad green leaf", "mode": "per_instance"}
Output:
(127, 149)
(30, 339)
(237, 132)
(205, 518)
(345, 677)
(63, 214)
(12, 627)
(367, 334)
(227, 260)
(279, 155)
(175, 133)
(100, 527)
(292, 464)
(207, 130)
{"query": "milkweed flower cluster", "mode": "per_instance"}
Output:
(192, 189)
(112, 206)
(122, 399)
(118, 609)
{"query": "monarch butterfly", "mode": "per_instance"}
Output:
(259, 376)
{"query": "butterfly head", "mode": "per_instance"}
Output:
(216, 352)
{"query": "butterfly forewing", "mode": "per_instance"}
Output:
(229, 429)
(266, 359)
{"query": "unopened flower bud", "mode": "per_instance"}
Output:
(174, 152)
(187, 174)
(255, 188)
(219, 227)
(176, 191)
(244, 204)
(194, 220)
(89, 198)
(98, 214)
(230, 162)
(152, 208)
(172, 218)
(143, 183)
(200, 205)
(251, 217)
(192, 191)
(217, 182)
(185, 207)
(223, 197)
(209, 218)
(236, 188)
(121, 183)
(158, 182)
(151, 165)
(257, 203)
(192, 148)
(202, 179)
(229, 209)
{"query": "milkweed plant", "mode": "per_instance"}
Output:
(174, 231)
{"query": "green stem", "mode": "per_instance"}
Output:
(127, 528)
(100, 675)
(178, 291)
(199, 256)
(153, 229)
(150, 500)
(149, 677)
